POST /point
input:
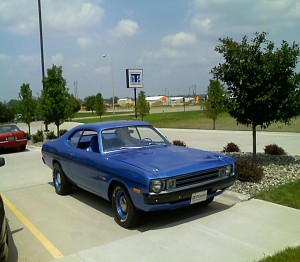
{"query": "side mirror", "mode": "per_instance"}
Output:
(2, 161)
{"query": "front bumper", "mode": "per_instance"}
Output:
(213, 189)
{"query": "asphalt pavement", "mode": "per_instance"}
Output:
(233, 228)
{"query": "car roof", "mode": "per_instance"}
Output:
(112, 124)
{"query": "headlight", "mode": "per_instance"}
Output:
(228, 170)
(156, 186)
(170, 183)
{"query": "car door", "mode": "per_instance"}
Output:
(86, 164)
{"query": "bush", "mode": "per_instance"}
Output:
(249, 171)
(28, 136)
(38, 137)
(178, 143)
(274, 150)
(62, 132)
(50, 135)
(231, 147)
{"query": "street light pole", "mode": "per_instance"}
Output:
(112, 81)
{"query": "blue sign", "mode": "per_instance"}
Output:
(134, 78)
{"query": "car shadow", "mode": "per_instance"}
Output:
(12, 150)
(91, 200)
(172, 218)
(13, 254)
(152, 220)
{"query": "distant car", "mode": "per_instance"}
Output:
(12, 137)
(3, 224)
(131, 164)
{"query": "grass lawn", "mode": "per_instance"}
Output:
(287, 195)
(288, 255)
(190, 120)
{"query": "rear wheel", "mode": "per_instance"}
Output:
(61, 184)
(125, 213)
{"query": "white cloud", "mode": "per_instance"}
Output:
(25, 58)
(181, 39)
(103, 70)
(21, 16)
(18, 17)
(84, 42)
(57, 58)
(72, 17)
(79, 65)
(125, 28)
(4, 57)
(199, 23)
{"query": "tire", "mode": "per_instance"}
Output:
(61, 185)
(125, 213)
(23, 148)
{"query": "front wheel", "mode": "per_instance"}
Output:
(61, 184)
(125, 213)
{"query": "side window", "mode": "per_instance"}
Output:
(74, 139)
(134, 133)
(81, 139)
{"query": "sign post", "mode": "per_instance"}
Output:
(134, 79)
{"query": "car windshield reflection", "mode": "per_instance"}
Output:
(131, 138)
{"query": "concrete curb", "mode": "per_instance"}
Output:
(231, 198)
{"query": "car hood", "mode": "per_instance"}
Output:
(167, 161)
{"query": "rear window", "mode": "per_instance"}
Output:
(9, 128)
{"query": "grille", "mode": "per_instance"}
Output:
(196, 178)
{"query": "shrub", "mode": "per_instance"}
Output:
(50, 135)
(274, 150)
(179, 143)
(28, 136)
(248, 171)
(62, 132)
(38, 137)
(231, 147)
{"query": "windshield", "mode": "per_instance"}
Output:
(131, 137)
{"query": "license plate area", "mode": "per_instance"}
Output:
(11, 138)
(198, 197)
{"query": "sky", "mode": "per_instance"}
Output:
(172, 41)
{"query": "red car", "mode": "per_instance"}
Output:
(12, 137)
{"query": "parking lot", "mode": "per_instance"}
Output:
(80, 227)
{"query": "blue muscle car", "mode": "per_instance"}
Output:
(131, 164)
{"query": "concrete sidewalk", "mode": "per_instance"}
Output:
(247, 231)
(211, 140)
(216, 140)
(239, 231)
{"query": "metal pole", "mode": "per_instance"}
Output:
(135, 106)
(41, 39)
(42, 48)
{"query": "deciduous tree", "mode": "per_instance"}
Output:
(27, 105)
(142, 105)
(55, 97)
(99, 105)
(215, 103)
(261, 80)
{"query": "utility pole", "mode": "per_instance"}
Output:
(42, 48)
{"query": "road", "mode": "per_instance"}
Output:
(80, 227)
